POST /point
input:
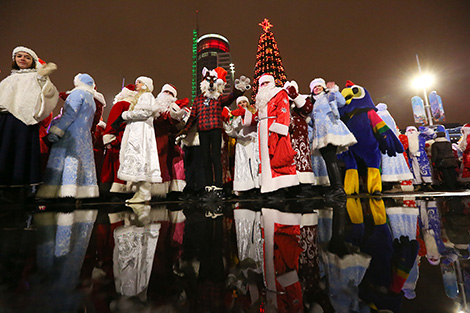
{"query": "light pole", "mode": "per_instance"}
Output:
(232, 70)
(424, 81)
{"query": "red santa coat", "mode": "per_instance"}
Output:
(113, 136)
(299, 138)
(277, 168)
(170, 156)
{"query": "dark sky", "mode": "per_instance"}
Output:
(372, 43)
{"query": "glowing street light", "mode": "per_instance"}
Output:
(232, 69)
(424, 81)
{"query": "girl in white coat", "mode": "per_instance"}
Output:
(139, 155)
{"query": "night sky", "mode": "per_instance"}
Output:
(372, 43)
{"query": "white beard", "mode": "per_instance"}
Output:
(463, 142)
(125, 95)
(431, 246)
(264, 95)
(164, 101)
(413, 143)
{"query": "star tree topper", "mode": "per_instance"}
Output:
(265, 25)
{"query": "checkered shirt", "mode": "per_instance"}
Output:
(207, 113)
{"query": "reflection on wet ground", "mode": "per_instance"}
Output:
(363, 254)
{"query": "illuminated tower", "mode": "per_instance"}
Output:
(213, 50)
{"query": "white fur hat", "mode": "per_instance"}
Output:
(242, 98)
(148, 82)
(317, 82)
(83, 79)
(410, 129)
(27, 50)
(381, 107)
(170, 88)
(266, 78)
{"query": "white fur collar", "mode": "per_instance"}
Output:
(26, 70)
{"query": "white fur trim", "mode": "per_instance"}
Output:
(279, 182)
(147, 82)
(170, 88)
(99, 96)
(241, 98)
(28, 51)
(299, 101)
(402, 210)
(245, 185)
(119, 188)
(266, 78)
(279, 128)
(248, 118)
(309, 219)
(306, 177)
(396, 177)
(317, 82)
(64, 191)
(101, 124)
(108, 138)
(56, 130)
(177, 185)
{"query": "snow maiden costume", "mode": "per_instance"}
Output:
(139, 154)
(246, 152)
(27, 97)
(330, 135)
(70, 170)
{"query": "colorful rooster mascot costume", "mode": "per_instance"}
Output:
(373, 137)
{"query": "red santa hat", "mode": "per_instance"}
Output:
(126, 92)
(221, 73)
(170, 88)
(242, 98)
(266, 78)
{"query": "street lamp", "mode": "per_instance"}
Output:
(423, 81)
(232, 70)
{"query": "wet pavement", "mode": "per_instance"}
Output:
(279, 255)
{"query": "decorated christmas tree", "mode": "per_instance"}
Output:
(268, 58)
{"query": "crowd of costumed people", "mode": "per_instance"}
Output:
(329, 142)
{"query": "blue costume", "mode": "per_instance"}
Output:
(419, 162)
(327, 128)
(329, 135)
(373, 137)
(70, 170)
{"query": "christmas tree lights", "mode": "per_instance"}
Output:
(268, 58)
